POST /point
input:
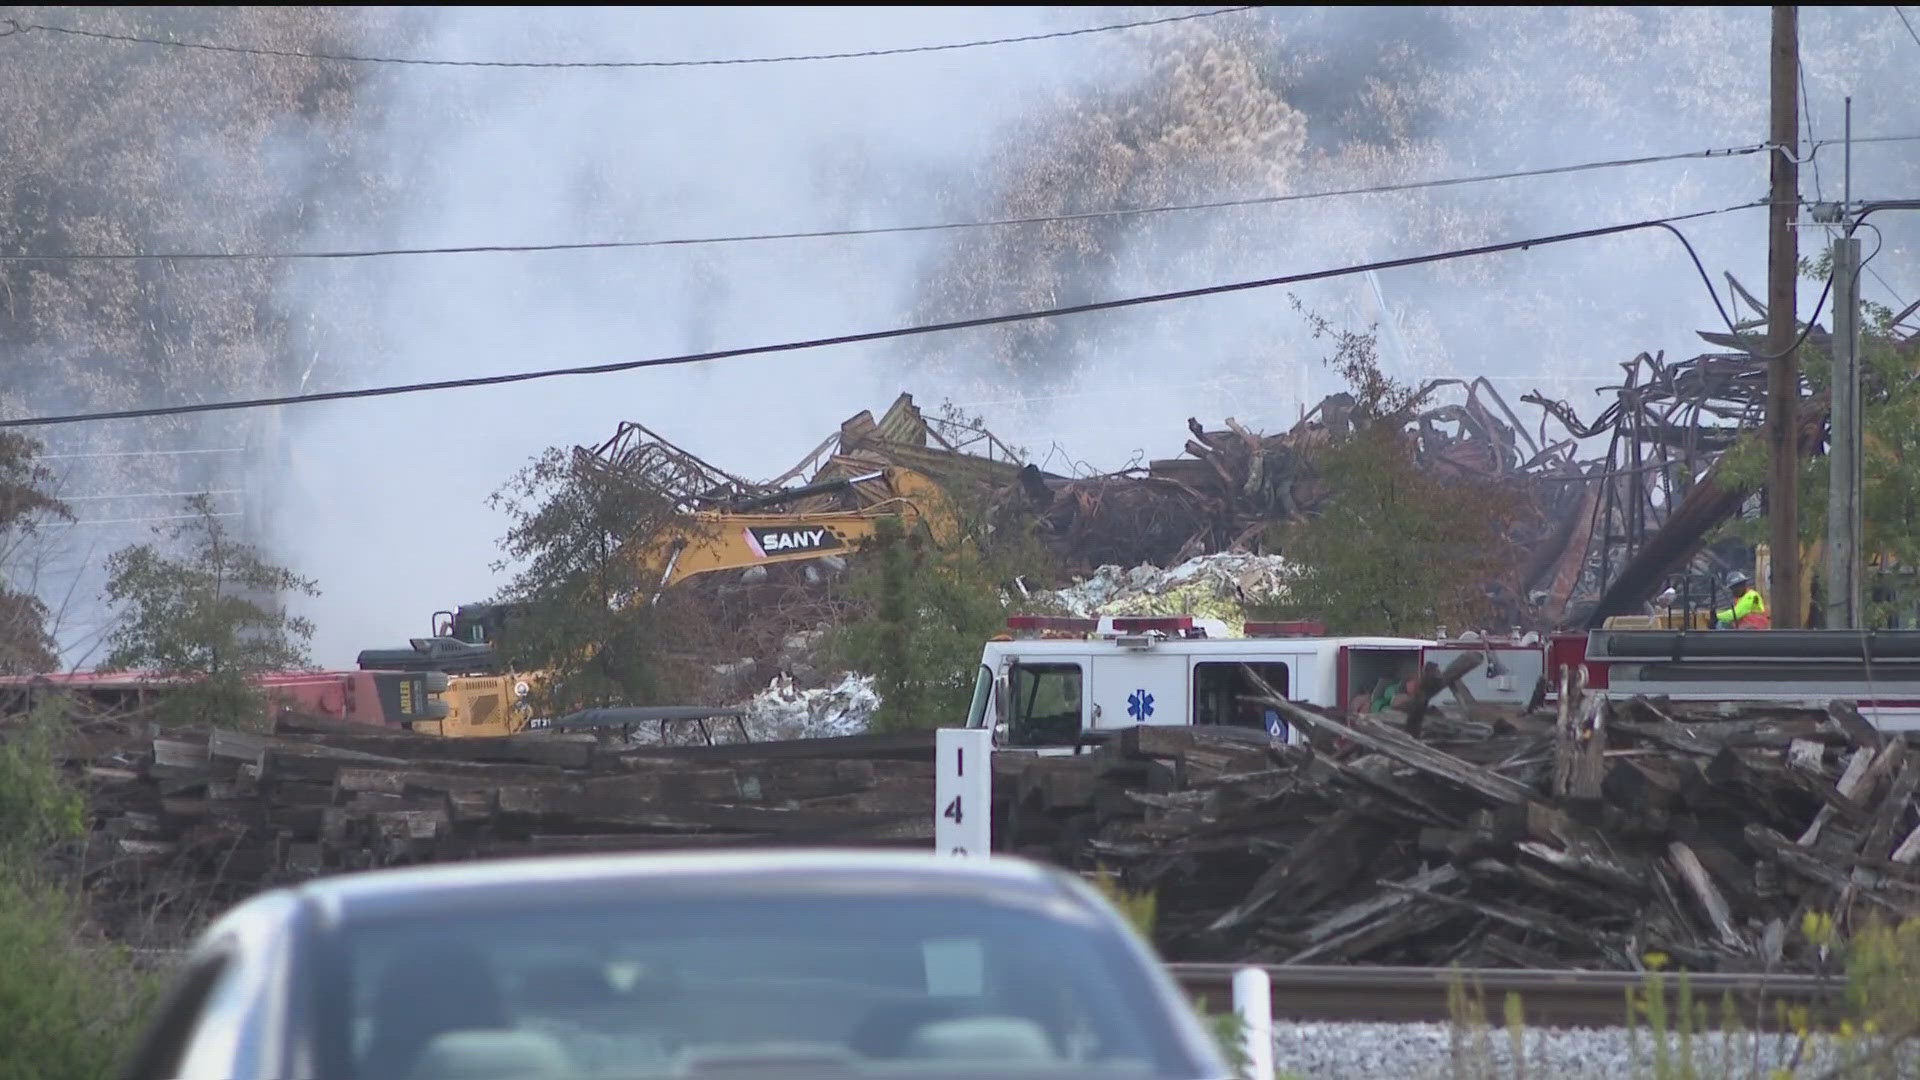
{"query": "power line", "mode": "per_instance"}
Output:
(1905, 23)
(1858, 139)
(139, 520)
(18, 27)
(152, 495)
(1666, 223)
(1806, 119)
(601, 245)
(1891, 291)
(1813, 151)
(144, 453)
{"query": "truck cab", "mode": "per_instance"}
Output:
(1063, 680)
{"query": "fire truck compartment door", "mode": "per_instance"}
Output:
(1139, 688)
(1364, 667)
(1509, 676)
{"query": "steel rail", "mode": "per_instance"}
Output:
(1549, 998)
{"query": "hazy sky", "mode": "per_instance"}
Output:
(383, 501)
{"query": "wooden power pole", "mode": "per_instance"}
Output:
(1783, 383)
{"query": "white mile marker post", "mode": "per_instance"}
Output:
(1253, 1002)
(963, 792)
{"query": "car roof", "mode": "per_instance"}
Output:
(540, 881)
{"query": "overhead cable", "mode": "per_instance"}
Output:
(15, 26)
(1858, 139)
(1905, 23)
(817, 234)
(1666, 223)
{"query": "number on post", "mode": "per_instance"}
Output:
(963, 799)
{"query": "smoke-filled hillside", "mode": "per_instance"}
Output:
(110, 148)
(126, 147)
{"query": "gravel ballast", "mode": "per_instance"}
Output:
(1331, 1051)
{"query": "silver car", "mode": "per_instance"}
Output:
(823, 965)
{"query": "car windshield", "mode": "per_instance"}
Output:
(772, 986)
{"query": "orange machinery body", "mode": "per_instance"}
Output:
(392, 699)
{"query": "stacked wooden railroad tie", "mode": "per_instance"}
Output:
(1495, 837)
(1616, 829)
(198, 818)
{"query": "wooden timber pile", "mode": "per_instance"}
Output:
(1448, 833)
(1503, 839)
(186, 821)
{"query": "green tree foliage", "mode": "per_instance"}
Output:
(25, 644)
(928, 611)
(209, 614)
(1398, 549)
(1395, 552)
(68, 1009)
(583, 585)
(38, 807)
(68, 1004)
(1890, 468)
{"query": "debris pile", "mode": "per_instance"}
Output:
(1494, 838)
(785, 710)
(1586, 835)
(186, 822)
(1233, 486)
(1218, 586)
(1597, 527)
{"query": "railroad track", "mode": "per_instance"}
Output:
(1549, 998)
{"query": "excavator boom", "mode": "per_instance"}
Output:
(711, 541)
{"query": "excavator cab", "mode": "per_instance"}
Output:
(475, 624)
(463, 643)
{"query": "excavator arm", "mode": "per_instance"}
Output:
(716, 542)
(712, 541)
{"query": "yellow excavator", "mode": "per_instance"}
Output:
(486, 697)
(739, 538)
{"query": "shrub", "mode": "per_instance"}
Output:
(68, 1004)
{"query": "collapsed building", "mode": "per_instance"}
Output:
(1598, 511)
(1611, 508)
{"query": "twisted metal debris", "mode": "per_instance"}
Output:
(1614, 507)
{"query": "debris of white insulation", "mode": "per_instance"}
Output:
(785, 711)
(1219, 587)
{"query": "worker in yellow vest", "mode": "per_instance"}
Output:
(1749, 610)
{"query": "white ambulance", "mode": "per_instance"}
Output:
(1058, 679)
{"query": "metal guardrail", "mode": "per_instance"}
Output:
(1548, 998)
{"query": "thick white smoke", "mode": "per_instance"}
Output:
(387, 504)
(385, 499)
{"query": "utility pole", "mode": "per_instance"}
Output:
(1843, 455)
(1783, 383)
(1846, 602)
